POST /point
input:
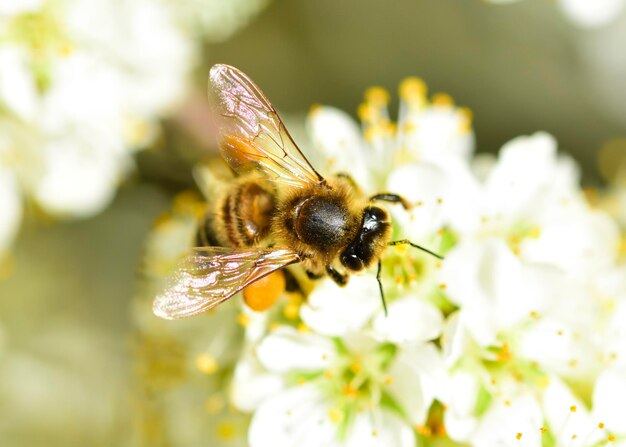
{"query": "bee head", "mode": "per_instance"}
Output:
(369, 242)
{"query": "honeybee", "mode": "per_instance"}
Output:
(278, 211)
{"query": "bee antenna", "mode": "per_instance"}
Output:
(419, 247)
(380, 286)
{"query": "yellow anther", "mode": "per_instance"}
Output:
(350, 391)
(601, 425)
(419, 203)
(572, 408)
(518, 436)
(374, 433)
(388, 380)
(424, 430)
(365, 112)
(413, 90)
(356, 367)
(399, 279)
(442, 286)
(573, 363)
(409, 127)
(335, 415)
(377, 96)
(303, 328)
(291, 311)
(543, 429)
(442, 99)
(206, 363)
(439, 200)
(225, 430)
(466, 113)
(441, 231)
(534, 315)
(329, 374)
(611, 438)
(507, 403)
(314, 109)
(243, 319)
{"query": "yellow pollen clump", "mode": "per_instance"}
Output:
(377, 95)
(518, 436)
(413, 90)
(442, 99)
(225, 430)
(611, 438)
(206, 363)
(374, 433)
(601, 425)
(572, 408)
(574, 436)
(335, 415)
(301, 380)
(303, 328)
(507, 403)
(442, 286)
(543, 429)
(388, 380)
(243, 319)
(399, 279)
(411, 277)
(440, 201)
(534, 315)
(441, 231)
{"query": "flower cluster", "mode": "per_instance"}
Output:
(516, 338)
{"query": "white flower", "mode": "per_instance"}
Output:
(354, 391)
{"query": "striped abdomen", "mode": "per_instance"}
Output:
(239, 218)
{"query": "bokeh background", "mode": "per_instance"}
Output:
(66, 357)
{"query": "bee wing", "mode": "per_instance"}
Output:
(250, 131)
(209, 276)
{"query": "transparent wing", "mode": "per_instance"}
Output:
(209, 276)
(250, 131)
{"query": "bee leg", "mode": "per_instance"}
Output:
(340, 279)
(291, 283)
(313, 275)
(347, 177)
(392, 198)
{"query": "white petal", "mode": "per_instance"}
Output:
(10, 209)
(378, 428)
(609, 400)
(505, 421)
(418, 378)
(17, 87)
(454, 339)
(492, 287)
(252, 384)
(591, 14)
(338, 138)
(295, 417)
(410, 319)
(570, 421)
(287, 349)
(333, 310)
(461, 396)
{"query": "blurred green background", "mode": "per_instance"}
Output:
(66, 368)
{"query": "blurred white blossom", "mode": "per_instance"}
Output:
(586, 13)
